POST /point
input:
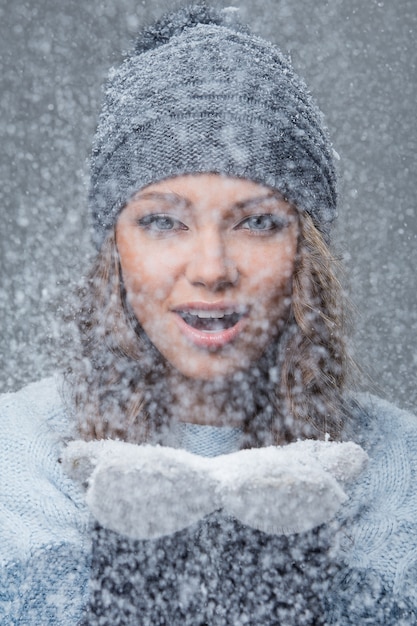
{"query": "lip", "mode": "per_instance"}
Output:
(210, 338)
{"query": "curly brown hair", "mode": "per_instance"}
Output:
(296, 389)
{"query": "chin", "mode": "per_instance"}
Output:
(212, 367)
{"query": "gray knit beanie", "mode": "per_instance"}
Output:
(200, 94)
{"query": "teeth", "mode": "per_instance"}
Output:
(205, 315)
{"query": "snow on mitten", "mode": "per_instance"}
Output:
(147, 491)
(288, 489)
(142, 491)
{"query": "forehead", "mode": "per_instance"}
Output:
(207, 190)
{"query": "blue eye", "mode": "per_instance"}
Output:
(266, 222)
(160, 223)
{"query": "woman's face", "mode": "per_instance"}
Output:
(207, 263)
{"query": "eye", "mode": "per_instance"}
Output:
(263, 223)
(161, 223)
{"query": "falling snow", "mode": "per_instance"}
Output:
(359, 60)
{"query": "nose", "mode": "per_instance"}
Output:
(210, 264)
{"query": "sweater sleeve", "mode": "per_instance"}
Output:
(380, 537)
(44, 538)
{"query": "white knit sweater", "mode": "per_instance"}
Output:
(45, 544)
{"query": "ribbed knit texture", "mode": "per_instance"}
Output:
(45, 536)
(44, 531)
(207, 440)
(203, 95)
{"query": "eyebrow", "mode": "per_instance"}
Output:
(170, 196)
(255, 200)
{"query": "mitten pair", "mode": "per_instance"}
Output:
(146, 491)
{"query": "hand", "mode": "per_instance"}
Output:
(288, 489)
(146, 492)
(143, 491)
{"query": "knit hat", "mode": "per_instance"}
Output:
(201, 94)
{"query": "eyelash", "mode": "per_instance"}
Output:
(151, 223)
(154, 221)
(275, 223)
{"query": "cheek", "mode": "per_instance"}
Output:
(269, 270)
(147, 278)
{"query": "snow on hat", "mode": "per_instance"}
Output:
(201, 94)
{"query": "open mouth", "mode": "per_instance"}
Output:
(209, 326)
(210, 320)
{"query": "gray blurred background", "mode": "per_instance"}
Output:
(359, 59)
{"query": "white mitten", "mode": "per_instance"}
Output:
(148, 491)
(143, 491)
(289, 489)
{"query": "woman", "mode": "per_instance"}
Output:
(212, 324)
